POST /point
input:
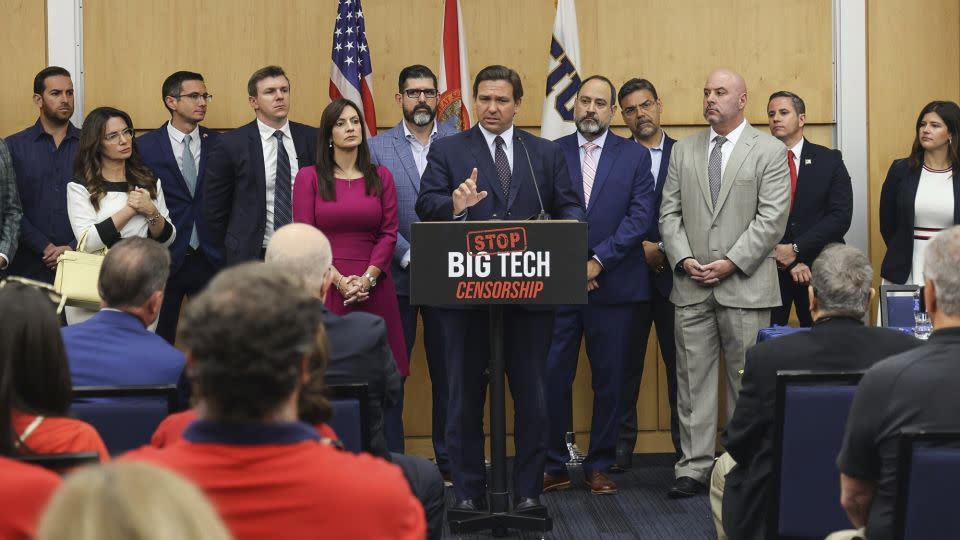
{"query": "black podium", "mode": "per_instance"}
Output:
(497, 263)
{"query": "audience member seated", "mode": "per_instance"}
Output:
(114, 347)
(129, 500)
(35, 387)
(24, 492)
(918, 389)
(359, 352)
(839, 296)
(249, 337)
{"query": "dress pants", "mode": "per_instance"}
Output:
(192, 276)
(466, 338)
(659, 311)
(791, 294)
(427, 486)
(608, 331)
(433, 345)
(702, 331)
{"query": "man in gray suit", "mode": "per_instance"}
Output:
(403, 150)
(725, 206)
(10, 211)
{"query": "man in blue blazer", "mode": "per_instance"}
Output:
(114, 347)
(403, 150)
(478, 175)
(241, 207)
(177, 153)
(640, 108)
(612, 175)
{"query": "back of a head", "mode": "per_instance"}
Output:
(133, 269)
(247, 335)
(941, 265)
(841, 281)
(125, 500)
(302, 251)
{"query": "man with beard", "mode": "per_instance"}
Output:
(640, 108)
(403, 150)
(613, 178)
(43, 161)
(177, 153)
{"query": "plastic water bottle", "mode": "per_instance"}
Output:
(921, 320)
(916, 308)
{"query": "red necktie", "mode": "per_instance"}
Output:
(793, 177)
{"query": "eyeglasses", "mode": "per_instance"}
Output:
(414, 93)
(195, 96)
(646, 106)
(45, 288)
(114, 136)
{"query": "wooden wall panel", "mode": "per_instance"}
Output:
(23, 40)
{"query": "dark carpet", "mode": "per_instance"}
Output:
(640, 510)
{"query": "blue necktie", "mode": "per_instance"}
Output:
(282, 195)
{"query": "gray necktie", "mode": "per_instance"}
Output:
(189, 170)
(714, 167)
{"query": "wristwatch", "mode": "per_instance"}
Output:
(660, 246)
(796, 249)
(371, 278)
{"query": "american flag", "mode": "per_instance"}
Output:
(351, 74)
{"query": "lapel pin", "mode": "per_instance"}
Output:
(808, 162)
(203, 136)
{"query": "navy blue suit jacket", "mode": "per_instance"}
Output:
(897, 200)
(114, 348)
(185, 209)
(619, 214)
(235, 189)
(451, 160)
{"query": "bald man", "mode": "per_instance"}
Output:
(725, 206)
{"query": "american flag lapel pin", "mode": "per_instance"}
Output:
(808, 161)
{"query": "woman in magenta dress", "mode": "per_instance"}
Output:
(354, 203)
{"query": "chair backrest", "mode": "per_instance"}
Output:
(351, 415)
(928, 473)
(811, 416)
(125, 416)
(60, 463)
(896, 305)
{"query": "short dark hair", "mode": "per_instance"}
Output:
(499, 73)
(613, 90)
(133, 269)
(39, 82)
(264, 73)
(416, 71)
(173, 84)
(635, 85)
(798, 105)
(949, 112)
(34, 374)
(247, 334)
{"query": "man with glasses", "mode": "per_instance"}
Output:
(177, 153)
(43, 160)
(403, 150)
(640, 108)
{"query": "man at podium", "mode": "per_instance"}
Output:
(496, 172)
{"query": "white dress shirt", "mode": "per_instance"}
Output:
(796, 156)
(656, 157)
(269, 144)
(176, 143)
(727, 148)
(419, 150)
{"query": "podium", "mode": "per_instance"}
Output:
(492, 264)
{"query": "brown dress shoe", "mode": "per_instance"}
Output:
(601, 484)
(555, 482)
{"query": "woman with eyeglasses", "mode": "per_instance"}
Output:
(113, 195)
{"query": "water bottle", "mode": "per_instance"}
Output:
(916, 309)
(922, 326)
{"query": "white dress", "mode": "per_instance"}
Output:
(84, 218)
(933, 212)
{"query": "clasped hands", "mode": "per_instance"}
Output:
(708, 275)
(354, 289)
(139, 200)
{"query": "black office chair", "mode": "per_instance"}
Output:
(928, 473)
(125, 416)
(60, 463)
(896, 305)
(351, 415)
(811, 417)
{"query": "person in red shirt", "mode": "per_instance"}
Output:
(249, 337)
(24, 492)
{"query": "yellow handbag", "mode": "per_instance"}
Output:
(77, 275)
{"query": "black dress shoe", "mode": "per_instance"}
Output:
(685, 487)
(623, 462)
(528, 504)
(471, 505)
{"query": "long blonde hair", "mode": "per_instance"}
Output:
(129, 501)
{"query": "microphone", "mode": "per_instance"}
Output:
(543, 215)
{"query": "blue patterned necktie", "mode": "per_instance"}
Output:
(503, 166)
(282, 195)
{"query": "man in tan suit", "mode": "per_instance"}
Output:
(725, 206)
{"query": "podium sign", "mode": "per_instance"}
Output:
(498, 262)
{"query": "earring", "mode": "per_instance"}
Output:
(331, 144)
